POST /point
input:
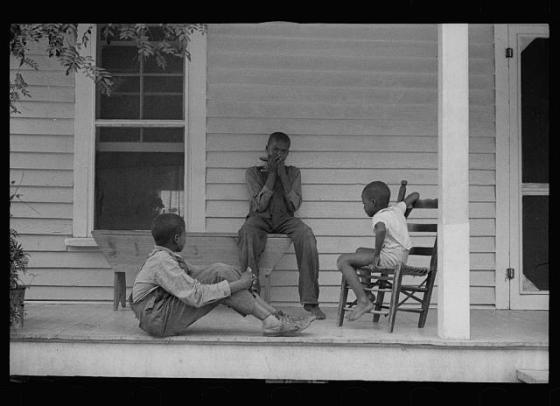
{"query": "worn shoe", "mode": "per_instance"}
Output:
(314, 310)
(286, 328)
(302, 322)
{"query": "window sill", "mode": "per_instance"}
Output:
(80, 242)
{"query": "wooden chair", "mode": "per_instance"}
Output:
(381, 280)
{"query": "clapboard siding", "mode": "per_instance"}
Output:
(359, 103)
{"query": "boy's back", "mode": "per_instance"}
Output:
(397, 241)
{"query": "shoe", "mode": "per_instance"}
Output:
(286, 328)
(314, 310)
(302, 322)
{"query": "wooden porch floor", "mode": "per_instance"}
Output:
(516, 338)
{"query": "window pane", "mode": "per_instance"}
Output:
(535, 243)
(124, 203)
(163, 107)
(535, 86)
(115, 106)
(174, 65)
(118, 134)
(119, 59)
(163, 84)
(126, 84)
(163, 134)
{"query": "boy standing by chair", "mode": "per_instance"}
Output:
(169, 294)
(392, 241)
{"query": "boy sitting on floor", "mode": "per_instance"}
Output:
(169, 294)
(392, 241)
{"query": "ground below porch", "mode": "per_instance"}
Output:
(90, 339)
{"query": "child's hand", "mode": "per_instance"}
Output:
(247, 278)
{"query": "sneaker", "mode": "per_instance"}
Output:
(302, 322)
(314, 310)
(284, 329)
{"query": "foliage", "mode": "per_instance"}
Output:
(64, 43)
(18, 257)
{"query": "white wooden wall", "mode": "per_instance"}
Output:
(41, 157)
(359, 103)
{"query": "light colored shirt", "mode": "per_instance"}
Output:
(169, 270)
(397, 241)
(273, 203)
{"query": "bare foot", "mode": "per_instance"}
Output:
(360, 309)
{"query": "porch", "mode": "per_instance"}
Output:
(90, 339)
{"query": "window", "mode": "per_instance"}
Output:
(132, 141)
(142, 150)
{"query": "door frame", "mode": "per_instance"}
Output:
(508, 169)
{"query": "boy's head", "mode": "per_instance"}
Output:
(278, 145)
(375, 197)
(168, 230)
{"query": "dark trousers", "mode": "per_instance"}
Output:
(252, 242)
(161, 314)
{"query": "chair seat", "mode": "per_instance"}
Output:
(414, 288)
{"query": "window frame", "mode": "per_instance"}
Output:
(194, 124)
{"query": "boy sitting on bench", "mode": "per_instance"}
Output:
(392, 241)
(169, 294)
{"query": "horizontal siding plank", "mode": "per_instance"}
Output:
(320, 143)
(44, 62)
(327, 262)
(329, 296)
(268, 60)
(42, 242)
(41, 226)
(46, 78)
(356, 159)
(41, 126)
(340, 48)
(355, 175)
(219, 74)
(42, 177)
(326, 209)
(333, 278)
(394, 32)
(73, 277)
(40, 160)
(59, 94)
(59, 260)
(42, 143)
(340, 193)
(41, 210)
(342, 227)
(32, 194)
(332, 94)
(65, 293)
(49, 109)
(331, 110)
(337, 127)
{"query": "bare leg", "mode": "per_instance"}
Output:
(347, 263)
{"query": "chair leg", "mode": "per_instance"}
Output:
(426, 302)
(395, 293)
(342, 302)
(267, 288)
(119, 290)
(379, 300)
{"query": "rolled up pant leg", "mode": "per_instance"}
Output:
(307, 256)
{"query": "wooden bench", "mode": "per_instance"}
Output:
(127, 250)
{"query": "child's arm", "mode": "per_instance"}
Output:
(411, 199)
(380, 232)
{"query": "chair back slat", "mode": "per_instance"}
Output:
(427, 251)
(426, 204)
(421, 227)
